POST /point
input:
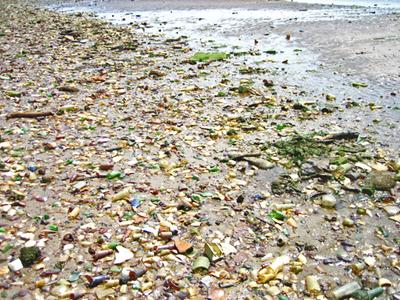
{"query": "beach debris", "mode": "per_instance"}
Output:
(328, 201)
(312, 285)
(96, 280)
(68, 88)
(32, 114)
(359, 84)
(29, 255)
(201, 263)
(270, 272)
(183, 246)
(371, 294)
(101, 254)
(13, 93)
(181, 168)
(381, 180)
(122, 255)
(345, 290)
(15, 265)
(122, 195)
(207, 57)
(213, 251)
(259, 163)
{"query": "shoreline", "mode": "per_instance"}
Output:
(145, 5)
(354, 53)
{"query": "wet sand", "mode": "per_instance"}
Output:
(145, 5)
(367, 46)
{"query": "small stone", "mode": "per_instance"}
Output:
(60, 291)
(122, 255)
(104, 293)
(183, 246)
(216, 293)
(330, 97)
(312, 285)
(259, 163)
(123, 289)
(5, 145)
(15, 265)
(328, 201)
(207, 280)
(274, 291)
(292, 222)
(40, 283)
(395, 218)
(396, 165)
(68, 88)
(156, 73)
(348, 222)
(392, 210)
(268, 83)
(383, 181)
(106, 167)
(370, 261)
(4, 270)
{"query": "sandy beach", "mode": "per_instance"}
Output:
(198, 150)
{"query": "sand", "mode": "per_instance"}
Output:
(368, 47)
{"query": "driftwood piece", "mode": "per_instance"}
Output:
(348, 135)
(30, 114)
(242, 156)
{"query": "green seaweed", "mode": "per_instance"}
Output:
(29, 255)
(300, 148)
(211, 56)
(359, 84)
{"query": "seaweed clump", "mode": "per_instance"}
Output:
(29, 255)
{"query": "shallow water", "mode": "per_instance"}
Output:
(366, 3)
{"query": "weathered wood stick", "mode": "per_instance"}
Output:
(349, 135)
(238, 156)
(30, 114)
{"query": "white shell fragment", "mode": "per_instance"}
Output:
(122, 255)
(15, 265)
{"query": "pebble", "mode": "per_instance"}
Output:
(348, 222)
(392, 210)
(328, 201)
(382, 180)
(60, 291)
(122, 255)
(15, 265)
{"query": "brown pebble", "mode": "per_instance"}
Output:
(183, 246)
(106, 167)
